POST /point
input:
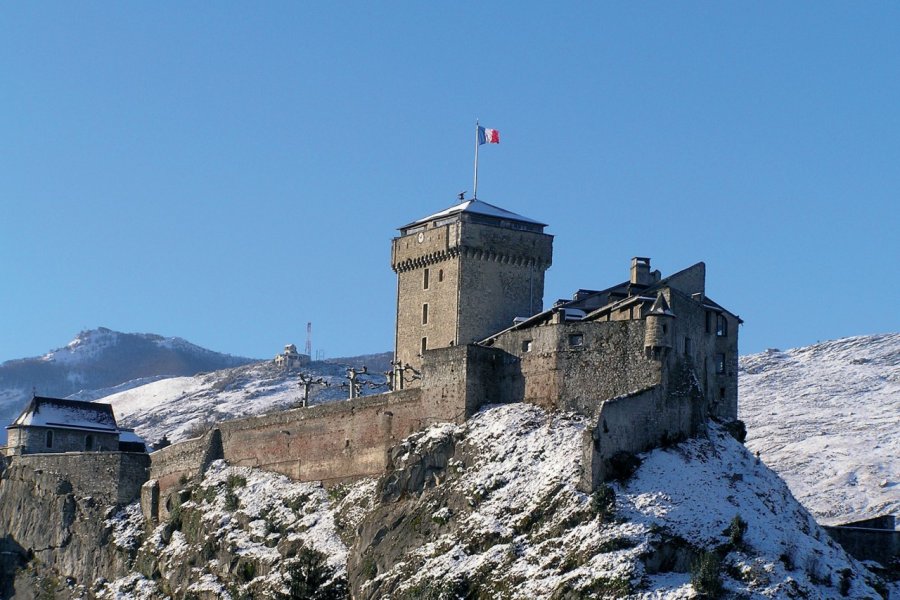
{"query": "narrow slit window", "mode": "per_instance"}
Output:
(440, 275)
(424, 314)
(425, 280)
(720, 363)
(49, 439)
(89, 442)
(424, 344)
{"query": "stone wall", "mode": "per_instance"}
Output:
(866, 543)
(185, 459)
(577, 365)
(108, 477)
(339, 440)
(34, 439)
(696, 323)
(479, 278)
(640, 421)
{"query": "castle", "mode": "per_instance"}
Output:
(646, 361)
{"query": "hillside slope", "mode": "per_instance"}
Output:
(827, 419)
(102, 358)
(177, 406)
(496, 515)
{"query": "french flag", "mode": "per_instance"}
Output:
(488, 136)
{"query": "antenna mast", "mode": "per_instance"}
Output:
(308, 348)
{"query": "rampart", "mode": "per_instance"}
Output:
(339, 440)
(642, 420)
(872, 539)
(108, 477)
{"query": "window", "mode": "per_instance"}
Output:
(665, 329)
(576, 340)
(89, 442)
(424, 344)
(687, 345)
(526, 346)
(720, 363)
(424, 314)
(708, 322)
(440, 274)
(425, 280)
(49, 439)
(721, 393)
(721, 325)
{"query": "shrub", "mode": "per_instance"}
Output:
(622, 465)
(247, 571)
(231, 501)
(603, 502)
(309, 577)
(736, 531)
(236, 481)
(844, 582)
(705, 575)
(737, 429)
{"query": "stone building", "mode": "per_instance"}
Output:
(291, 359)
(648, 359)
(463, 274)
(54, 425)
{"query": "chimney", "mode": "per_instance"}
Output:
(640, 271)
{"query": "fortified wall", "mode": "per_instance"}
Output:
(109, 477)
(339, 440)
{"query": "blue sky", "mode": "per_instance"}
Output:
(226, 172)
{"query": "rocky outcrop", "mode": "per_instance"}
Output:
(51, 538)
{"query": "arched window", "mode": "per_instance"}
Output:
(49, 439)
(89, 442)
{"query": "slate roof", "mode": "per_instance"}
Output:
(67, 414)
(476, 207)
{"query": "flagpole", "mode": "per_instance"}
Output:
(475, 184)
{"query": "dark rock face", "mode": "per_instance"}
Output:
(405, 520)
(46, 529)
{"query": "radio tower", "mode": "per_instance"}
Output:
(308, 348)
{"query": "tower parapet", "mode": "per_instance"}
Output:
(465, 273)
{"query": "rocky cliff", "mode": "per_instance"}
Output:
(487, 509)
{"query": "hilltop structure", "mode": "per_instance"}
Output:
(290, 359)
(647, 361)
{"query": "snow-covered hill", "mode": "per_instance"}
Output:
(180, 406)
(827, 419)
(98, 359)
(503, 520)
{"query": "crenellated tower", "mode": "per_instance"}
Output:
(465, 273)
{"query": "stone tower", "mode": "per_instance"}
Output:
(465, 273)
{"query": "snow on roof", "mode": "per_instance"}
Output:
(69, 414)
(476, 207)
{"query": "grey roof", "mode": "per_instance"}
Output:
(476, 207)
(661, 307)
(67, 414)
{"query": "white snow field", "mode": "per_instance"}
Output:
(827, 419)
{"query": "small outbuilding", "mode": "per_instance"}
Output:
(52, 425)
